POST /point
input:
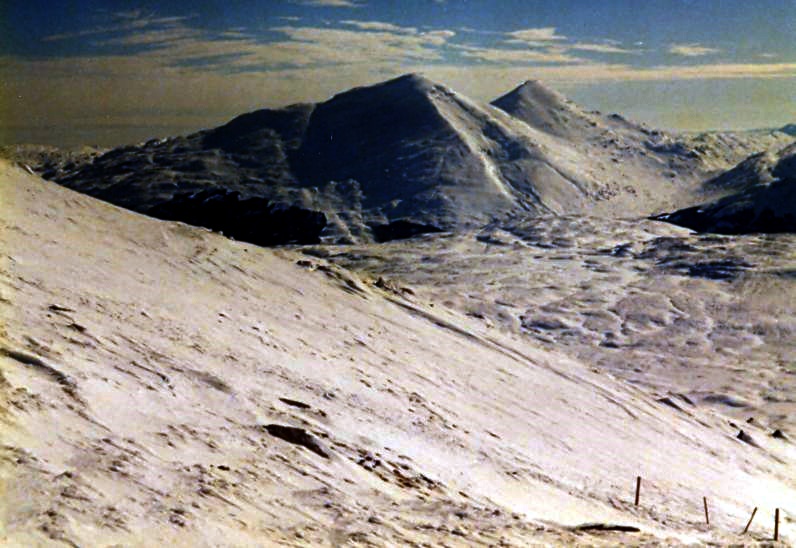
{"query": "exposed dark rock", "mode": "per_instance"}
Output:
(742, 221)
(746, 438)
(253, 220)
(607, 527)
(401, 230)
(729, 401)
(294, 403)
(779, 434)
(297, 436)
(67, 383)
(668, 401)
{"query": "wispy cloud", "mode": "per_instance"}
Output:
(471, 30)
(602, 48)
(378, 25)
(151, 37)
(516, 56)
(692, 50)
(534, 36)
(317, 45)
(122, 22)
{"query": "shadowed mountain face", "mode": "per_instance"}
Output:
(409, 159)
(262, 132)
(404, 157)
(254, 220)
(365, 133)
(764, 201)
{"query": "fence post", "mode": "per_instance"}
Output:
(707, 516)
(750, 521)
(638, 488)
(776, 524)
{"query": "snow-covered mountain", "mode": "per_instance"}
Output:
(402, 157)
(764, 198)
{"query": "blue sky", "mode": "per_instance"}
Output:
(112, 72)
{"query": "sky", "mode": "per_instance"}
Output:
(112, 72)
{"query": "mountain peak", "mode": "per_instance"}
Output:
(407, 84)
(535, 91)
(413, 77)
(541, 107)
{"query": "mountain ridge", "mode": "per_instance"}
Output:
(410, 150)
(763, 198)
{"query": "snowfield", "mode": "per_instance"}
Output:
(163, 384)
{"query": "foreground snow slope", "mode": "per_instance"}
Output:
(149, 369)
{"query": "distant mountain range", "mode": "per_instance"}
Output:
(764, 198)
(790, 129)
(408, 156)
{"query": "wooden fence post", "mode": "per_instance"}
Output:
(638, 488)
(750, 521)
(776, 524)
(707, 516)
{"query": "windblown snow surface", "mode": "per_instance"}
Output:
(163, 384)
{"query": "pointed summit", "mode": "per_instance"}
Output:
(360, 134)
(414, 79)
(534, 91)
(408, 84)
(543, 108)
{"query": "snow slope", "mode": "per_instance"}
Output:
(152, 372)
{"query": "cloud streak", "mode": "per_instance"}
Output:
(603, 48)
(535, 35)
(692, 50)
(517, 56)
(124, 22)
(378, 25)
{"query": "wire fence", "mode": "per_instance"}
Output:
(637, 500)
